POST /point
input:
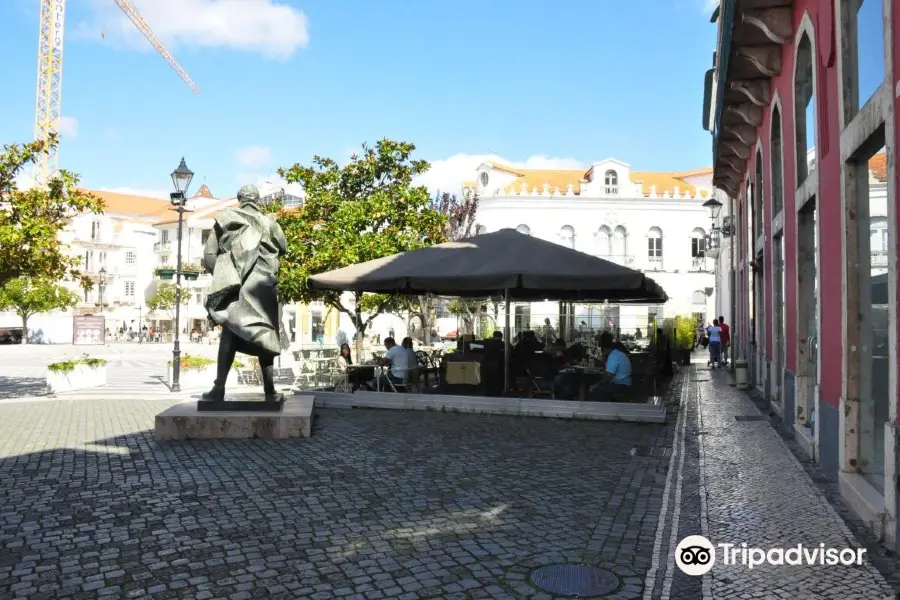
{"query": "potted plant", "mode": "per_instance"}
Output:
(198, 371)
(76, 374)
(165, 272)
(191, 271)
(684, 338)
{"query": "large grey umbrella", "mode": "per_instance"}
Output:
(519, 266)
(506, 261)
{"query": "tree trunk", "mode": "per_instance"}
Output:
(360, 326)
(426, 307)
(24, 330)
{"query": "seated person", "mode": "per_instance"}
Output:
(397, 358)
(576, 353)
(617, 379)
(605, 339)
(344, 360)
(407, 344)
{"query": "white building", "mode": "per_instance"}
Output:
(653, 222)
(116, 249)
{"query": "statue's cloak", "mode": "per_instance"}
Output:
(242, 253)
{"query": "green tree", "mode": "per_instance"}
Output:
(362, 211)
(28, 297)
(165, 299)
(31, 220)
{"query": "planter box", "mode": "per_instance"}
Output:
(190, 275)
(166, 273)
(685, 357)
(79, 378)
(199, 378)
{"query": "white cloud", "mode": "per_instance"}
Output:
(710, 5)
(112, 135)
(447, 175)
(25, 178)
(68, 127)
(268, 27)
(253, 157)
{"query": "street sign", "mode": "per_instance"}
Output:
(88, 330)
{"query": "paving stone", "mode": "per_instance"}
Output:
(385, 504)
(377, 504)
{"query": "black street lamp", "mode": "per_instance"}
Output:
(181, 178)
(712, 207)
(101, 286)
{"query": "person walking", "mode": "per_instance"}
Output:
(715, 343)
(726, 340)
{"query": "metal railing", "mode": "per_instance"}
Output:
(159, 246)
(619, 259)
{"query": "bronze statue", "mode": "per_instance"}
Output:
(242, 254)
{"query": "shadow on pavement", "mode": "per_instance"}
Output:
(434, 503)
(21, 387)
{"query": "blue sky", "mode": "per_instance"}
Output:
(575, 81)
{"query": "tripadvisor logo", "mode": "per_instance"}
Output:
(695, 555)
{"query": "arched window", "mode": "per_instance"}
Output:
(775, 154)
(804, 109)
(757, 201)
(654, 244)
(603, 239)
(619, 245)
(480, 230)
(698, 243)
(567, 236)
(524, 229)
(611, 180)
(699, 298)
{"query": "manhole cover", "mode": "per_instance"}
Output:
(575, 580)
(750, 418)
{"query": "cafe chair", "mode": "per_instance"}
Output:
(534, 387)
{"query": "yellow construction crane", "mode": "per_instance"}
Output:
(49, 80)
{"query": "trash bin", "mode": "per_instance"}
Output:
(742, 374)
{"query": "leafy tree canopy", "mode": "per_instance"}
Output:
(165, 298)
(460, 214)
(28, 297)
(30, 220)
(364, 210)
(459, 223)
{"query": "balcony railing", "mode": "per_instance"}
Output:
(162, 246)
(698, 263)
(655, 262)
(879, 259)
(619, 259)
(99, 240)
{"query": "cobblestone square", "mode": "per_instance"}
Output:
(408, 505)
(377, 504)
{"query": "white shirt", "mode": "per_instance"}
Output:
(399, 358)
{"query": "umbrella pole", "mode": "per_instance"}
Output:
(508, 341)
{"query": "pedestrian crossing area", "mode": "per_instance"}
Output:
(130, 378)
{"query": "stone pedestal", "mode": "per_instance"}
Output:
(184, 422)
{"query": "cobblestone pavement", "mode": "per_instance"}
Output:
(754, 491)
(409, 505)
(377, 504)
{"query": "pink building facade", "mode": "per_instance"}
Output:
(801, 103)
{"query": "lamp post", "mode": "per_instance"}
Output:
(101, 286)
(181, 179)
